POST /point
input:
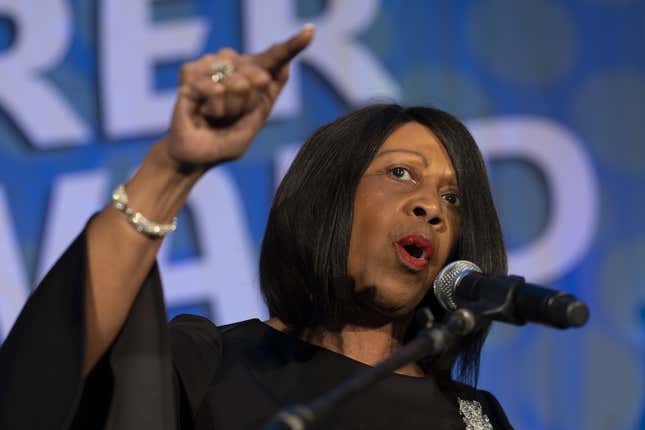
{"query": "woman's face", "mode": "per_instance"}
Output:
(406, 221)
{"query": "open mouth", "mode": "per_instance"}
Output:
(415, 251)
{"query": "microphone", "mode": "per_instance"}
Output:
(461, 283)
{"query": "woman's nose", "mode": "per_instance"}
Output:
(429, 212)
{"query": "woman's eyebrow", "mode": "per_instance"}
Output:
(407, 151)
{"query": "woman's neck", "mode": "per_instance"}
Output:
(368, 345)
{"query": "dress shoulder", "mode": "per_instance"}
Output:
(196, 331)
(196, 346)
(196, 350)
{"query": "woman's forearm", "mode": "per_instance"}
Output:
(119, 257)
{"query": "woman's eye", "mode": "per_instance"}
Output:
(401, 173)
(452, 198)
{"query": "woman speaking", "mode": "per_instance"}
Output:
(373, 207)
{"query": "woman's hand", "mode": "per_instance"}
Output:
(215, 122)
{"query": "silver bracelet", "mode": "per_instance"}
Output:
(138, 221)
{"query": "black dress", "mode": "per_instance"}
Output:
(190, 374)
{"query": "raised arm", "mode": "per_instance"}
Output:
(212, 122)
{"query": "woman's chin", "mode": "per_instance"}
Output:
(384, 308)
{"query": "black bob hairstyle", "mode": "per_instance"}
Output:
(303, 262)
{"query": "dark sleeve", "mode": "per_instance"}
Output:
(493, 410)
(41, 361)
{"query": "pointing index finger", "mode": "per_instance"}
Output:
(279, 54)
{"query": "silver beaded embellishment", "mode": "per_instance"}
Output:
(473, 416)
(138, 221)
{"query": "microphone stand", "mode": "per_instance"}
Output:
(430, 341)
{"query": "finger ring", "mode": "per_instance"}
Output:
(221, 71)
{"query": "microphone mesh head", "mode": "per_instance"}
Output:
(448, 279)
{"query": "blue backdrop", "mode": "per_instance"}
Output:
(553, 92)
